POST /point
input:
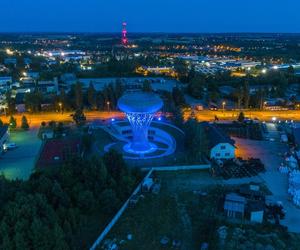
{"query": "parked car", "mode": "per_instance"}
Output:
(9, 146)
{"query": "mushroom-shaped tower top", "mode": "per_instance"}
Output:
(140, 102)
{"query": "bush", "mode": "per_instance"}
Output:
(24, 124)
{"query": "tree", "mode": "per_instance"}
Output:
(147, 86)
(196, 87)
(114, 163)
(195, 139)
(78, 95)
(91, 96)
(178, 96)
(24, 124)
(246, 94)
(241, 117)
(182, 70)
(33, 101)
(12, 122)
(109, 200)
(79, 117)
(87, 141)
(10, 103)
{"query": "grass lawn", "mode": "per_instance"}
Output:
(102, 139)
(153, 218)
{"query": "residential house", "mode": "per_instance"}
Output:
(221, 146)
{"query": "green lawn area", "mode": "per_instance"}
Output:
(102, 139)
(193, 218)
(151, 219)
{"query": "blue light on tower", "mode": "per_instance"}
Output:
(140, 108)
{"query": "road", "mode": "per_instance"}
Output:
(204, 115)
(35, 120)
(208, 115)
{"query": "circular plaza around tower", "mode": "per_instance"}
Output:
(141, 135)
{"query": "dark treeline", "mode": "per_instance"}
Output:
(56, 207)
(76, 98)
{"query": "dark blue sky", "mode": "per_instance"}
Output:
(150, 15)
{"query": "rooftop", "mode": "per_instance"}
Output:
(216, 135)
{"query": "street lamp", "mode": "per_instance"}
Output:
(108, 103)
(223, 104)
(265, 103)
(60, 107)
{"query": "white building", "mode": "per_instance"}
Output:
(221, 146)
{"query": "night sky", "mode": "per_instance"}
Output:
(150, 15)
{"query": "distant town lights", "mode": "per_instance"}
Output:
(264, 71)
(274, 119)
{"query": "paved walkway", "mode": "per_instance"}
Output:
(269, 152)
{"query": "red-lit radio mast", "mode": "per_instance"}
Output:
(124, 34)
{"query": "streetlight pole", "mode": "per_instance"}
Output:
(108, 103)
(223, 104)
(60, 107)
(264, 107)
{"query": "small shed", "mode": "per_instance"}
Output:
(256, 210)
(147, 184)
(47, 134)
(234, 206)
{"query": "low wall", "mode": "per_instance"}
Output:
(180, 168)
(118, 215)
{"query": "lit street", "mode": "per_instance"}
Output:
(204, 115)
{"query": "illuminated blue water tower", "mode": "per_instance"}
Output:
(140, 108)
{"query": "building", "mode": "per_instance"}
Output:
(234, 206)
(145, 70)
(48, 86)
(5, 83)
(221, 146)
(256, 210)
(10, 61)
(3, 136)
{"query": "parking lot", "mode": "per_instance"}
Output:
(19, 162)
